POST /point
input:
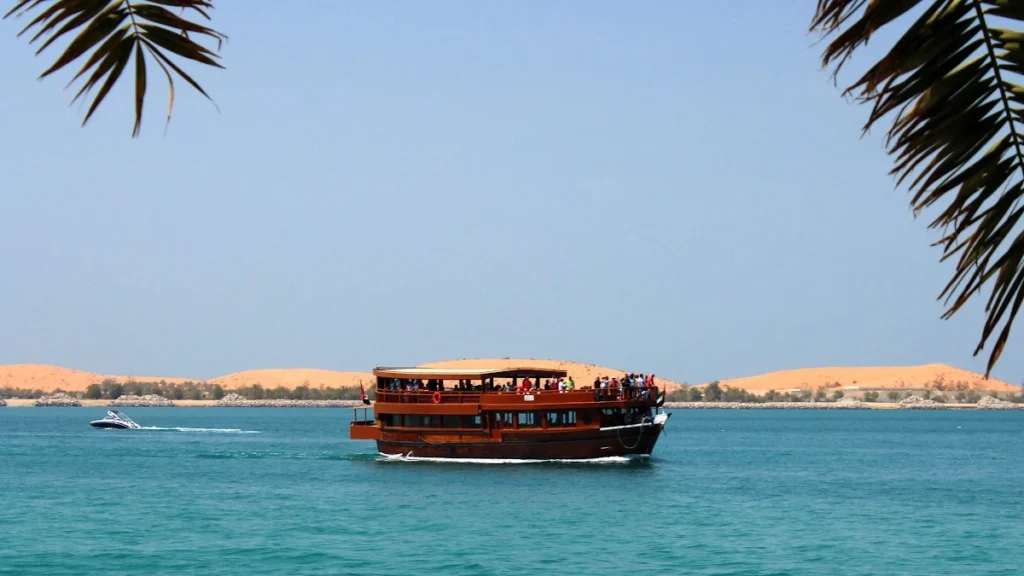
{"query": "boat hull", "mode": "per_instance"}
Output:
(106, 424)
(575, 445)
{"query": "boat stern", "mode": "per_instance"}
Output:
(363, 427)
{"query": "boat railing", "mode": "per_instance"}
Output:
(472, 397)
(427, 397)
(631, 393)
(365, 420)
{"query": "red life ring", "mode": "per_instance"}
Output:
(437, 397)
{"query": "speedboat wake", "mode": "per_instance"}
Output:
(186, 429)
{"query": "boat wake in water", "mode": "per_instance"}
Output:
(602, 460)
(184, 429)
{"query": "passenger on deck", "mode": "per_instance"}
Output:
(570, 384)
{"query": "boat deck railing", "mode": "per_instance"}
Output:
(427, 397)
(473, 397)
(365, 420)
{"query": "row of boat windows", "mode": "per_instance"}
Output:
(555, 419)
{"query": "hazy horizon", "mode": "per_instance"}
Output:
(661, 187)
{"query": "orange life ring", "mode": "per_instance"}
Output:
(437, 397)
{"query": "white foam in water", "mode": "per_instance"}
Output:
(602, 460)
(224, 430)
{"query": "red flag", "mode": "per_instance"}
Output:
(362, 394)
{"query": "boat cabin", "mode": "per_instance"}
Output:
(497, 404)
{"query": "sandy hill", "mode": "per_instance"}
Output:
(47, 378)
(582, 374)
(292, 377)
(926, 376)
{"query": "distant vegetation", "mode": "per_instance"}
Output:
(8, 392)
(111, 389)
(715, 392)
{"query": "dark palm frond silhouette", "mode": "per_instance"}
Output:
(115, 31)
(957, 133)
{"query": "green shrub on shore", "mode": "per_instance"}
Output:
(964, 397)
(10, 392)
(111, 389)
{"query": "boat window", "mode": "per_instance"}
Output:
(411, 420)
(469, 421)
(450, 422)
(505, 418)
(585, 417)
(431, 421)
(529, 420)
(561, 419)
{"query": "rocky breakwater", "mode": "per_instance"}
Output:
(58, 399)
(3, 402)
(990, 403)
(238, 401)
(843, 404)
(918, 403)
(147, 401)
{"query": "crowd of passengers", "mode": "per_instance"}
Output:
(630, 382)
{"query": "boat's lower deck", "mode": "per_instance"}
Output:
(569, 445)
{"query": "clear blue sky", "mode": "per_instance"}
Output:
(660, 186)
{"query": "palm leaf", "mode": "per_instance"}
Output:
(950, 85)
(115, 31)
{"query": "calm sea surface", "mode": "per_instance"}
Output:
(283, 491)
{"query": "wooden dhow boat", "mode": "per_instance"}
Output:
(488, 414)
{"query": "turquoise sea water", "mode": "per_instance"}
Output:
(283, 491)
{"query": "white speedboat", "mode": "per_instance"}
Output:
(115, 419)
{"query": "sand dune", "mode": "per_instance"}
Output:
(582, 374)
(48, 378)
(925, 376)
(292, 377)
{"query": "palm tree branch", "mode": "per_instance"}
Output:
(957, 133)
(151, 29)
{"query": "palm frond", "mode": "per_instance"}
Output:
(957, 132)
(116, 31)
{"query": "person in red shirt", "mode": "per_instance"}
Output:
(526, 384)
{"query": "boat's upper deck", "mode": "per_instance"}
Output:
(497, 387)
(582, 395)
